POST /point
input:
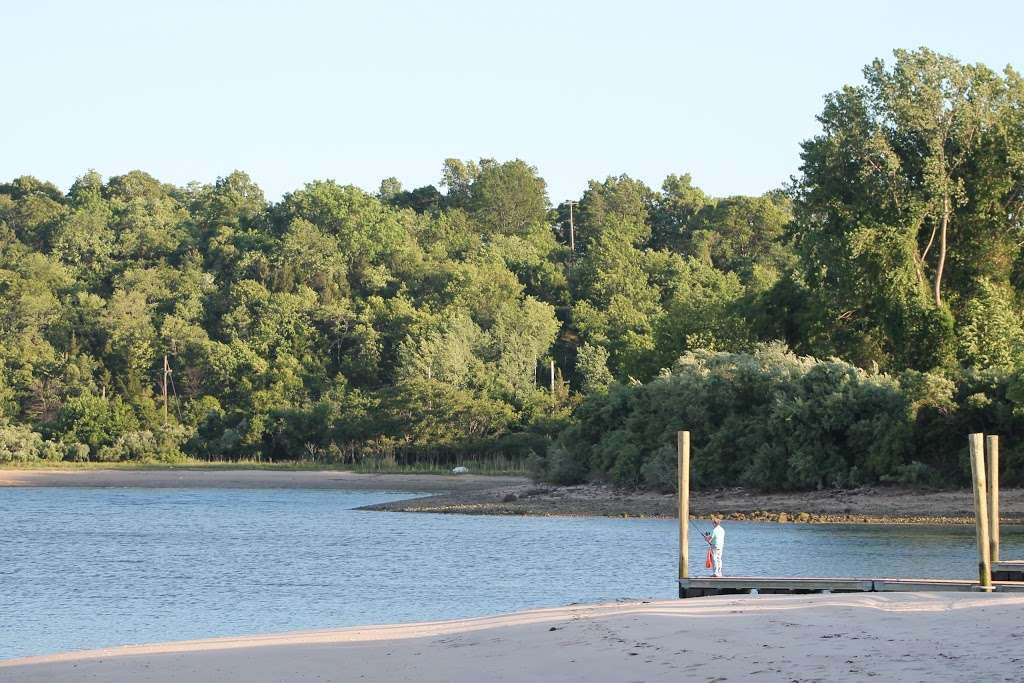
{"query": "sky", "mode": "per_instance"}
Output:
(295, 91)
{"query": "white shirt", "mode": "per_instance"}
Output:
(718, 538)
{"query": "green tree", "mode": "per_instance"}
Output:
(888, 210)
(617, 209)
(992, 329)
(592, 364)
(508, 198)
(674, 211)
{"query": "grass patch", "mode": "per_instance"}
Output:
(491, 466)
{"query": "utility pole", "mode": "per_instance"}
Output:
(167, 374)
(572, 228)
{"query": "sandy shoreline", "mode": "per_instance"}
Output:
(256, 479)
(893, 636)
(497, 495)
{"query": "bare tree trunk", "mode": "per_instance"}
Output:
(942, 251)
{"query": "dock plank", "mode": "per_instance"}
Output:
(1008, 570)
(901, 585)
(733, 585)
(736, 585)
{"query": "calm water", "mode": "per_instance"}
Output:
(85, 568)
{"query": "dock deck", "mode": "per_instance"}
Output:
(739, 585)
(1008, 570)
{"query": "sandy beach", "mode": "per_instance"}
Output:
(891, 636)
(255, 479)
(501, 495)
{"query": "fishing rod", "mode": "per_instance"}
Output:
(704, 534)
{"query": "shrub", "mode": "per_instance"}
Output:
(52, 451)
(773, 420)
(19, 443)
(95, 421)
(76, 452)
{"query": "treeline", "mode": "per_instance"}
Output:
(338, 325)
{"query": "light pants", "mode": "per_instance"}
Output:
(716, 559)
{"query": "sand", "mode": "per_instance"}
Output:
(255, 479)
(888, 636)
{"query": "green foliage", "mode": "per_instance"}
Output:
(18, 443)
(617, 209)
(773, 420)
(508, 198)
(992, 334)
(144, 445)
(908, 202)
(95, 421)
(592, 364)
(413, 329)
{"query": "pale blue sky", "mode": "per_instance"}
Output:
(299, 90)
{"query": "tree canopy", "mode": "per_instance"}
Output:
(836, 331)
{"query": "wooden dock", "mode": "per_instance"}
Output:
(1008, 570)
(993, 574)
(745, 585)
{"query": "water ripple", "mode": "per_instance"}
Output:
(84, 568)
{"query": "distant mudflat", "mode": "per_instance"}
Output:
(232, 478)
(476, 494)
(889, 636)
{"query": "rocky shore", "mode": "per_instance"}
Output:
(858, 506)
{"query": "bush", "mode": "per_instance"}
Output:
(52, 451)
(163, 445)
(19, 443)
(136, 445)
(76, 452)
(775, 421)
(660, 472)
(562, 468)
(94, 421)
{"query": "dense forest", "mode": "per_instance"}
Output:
(848, 328)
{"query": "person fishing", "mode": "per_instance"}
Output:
(716, 539)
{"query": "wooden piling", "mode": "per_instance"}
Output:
(683, 447)
(981, 526)
(992, 446)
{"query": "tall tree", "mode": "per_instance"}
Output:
(508, 198)
(890, 198)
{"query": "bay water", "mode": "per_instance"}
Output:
(95, 567)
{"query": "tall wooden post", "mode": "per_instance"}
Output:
(992, 446)
(683, 447)
(981, 509)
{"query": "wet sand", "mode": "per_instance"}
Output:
(887, 636)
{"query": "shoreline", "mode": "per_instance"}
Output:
(858, 506)
(897, 636)
(511, 495)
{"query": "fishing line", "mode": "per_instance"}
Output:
(703, 534)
